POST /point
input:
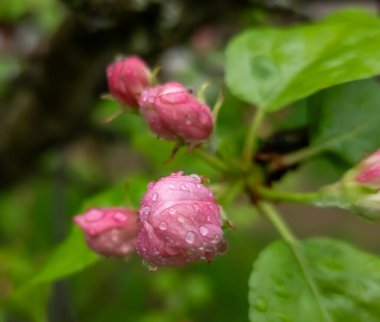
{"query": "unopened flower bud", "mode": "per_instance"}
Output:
(179, 222)
(173, 113)
(369, 171)
(109, 231)
(127, 78)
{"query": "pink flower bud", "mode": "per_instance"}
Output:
(127, 78)
(109, 231)
(179, 222)
(369, 171)
(173, 113)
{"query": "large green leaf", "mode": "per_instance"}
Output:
(274, 67)
(346, 284)
(345, 119)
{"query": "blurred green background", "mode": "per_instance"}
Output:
(56, 153)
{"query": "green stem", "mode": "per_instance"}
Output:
(213, 161)
(275, 195)
(310, 151)
(250, 144)
(271, 214)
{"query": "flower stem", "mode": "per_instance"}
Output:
(313, 150)
(275, 195)
(213, 161)
(250, 144)
(271, 214)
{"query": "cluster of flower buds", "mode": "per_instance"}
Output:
(178, 222)
(358, 190)
(170, 111)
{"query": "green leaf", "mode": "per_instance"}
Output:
(73, 254)
(347, 281)
(274, 67)
(345, 119)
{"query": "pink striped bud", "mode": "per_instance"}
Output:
(127, 78)
(173, 113)
(109, 231)
(179, 222)
(369, 171)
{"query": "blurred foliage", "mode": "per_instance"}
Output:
(37, 214)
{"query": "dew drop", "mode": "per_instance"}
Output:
(216, 239)
(203, 119)
(190, 237)
(115, 236)
(172, 211)
(203, 230)
(183, 187)
(171, 186)
(181, 219)
(120, 217)
(261, 305)
(195, 177)
(196, 207)
(155, 197)
(171, 250)
(94, 215)
(144, 213)
(163, 225)
(125, 248)
(198, 186)
(281, 291)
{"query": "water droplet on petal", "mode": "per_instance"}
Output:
(203, 118)
(172, 211)
(196, 207)
(195, 177)
(216, 239)
(181, 219)
(144, 213)
(183, 187)
(171, 250)
(190, 237)
(126, 248)
(94, 215)
(120, 217)
(198, 186)
(163, 225)
(203, 230)
(155, 197)
(171, 186)
(115, 236)
(261, 305)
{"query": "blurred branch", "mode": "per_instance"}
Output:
(50, 103)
